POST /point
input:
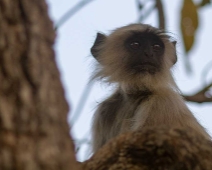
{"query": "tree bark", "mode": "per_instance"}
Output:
(34, 133)
(156, 148)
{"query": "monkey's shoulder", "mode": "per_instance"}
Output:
(109, 107)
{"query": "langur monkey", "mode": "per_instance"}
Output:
(138, 58)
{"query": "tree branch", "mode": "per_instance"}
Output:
(34, 133)
(71, 12)
(147, 13)
(200, 96)
(161, 17)
(153, 148)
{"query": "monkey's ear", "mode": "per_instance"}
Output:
(95, 49)
(175, 59)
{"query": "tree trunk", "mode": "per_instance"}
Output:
(34, 133)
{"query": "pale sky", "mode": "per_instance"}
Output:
(76, 36)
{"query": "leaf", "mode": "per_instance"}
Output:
(204, 2)
(189, 23)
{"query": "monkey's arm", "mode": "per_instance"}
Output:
(105, 120)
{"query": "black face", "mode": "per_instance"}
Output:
(146, 51)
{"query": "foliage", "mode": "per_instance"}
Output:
(189, 23)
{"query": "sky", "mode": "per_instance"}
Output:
(76, 36)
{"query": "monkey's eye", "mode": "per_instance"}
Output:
(156, 47)
(135, 45)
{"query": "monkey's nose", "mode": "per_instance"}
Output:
(148, 54)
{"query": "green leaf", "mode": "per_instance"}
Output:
(189, 23)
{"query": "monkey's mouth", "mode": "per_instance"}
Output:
(146, 67)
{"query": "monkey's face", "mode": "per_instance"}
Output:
(132, 51)
(144, 52)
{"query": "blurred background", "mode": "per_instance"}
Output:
(77, 22)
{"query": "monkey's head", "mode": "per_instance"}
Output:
(133, 52)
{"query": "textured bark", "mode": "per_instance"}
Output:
(154, 149)
(34, 133)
